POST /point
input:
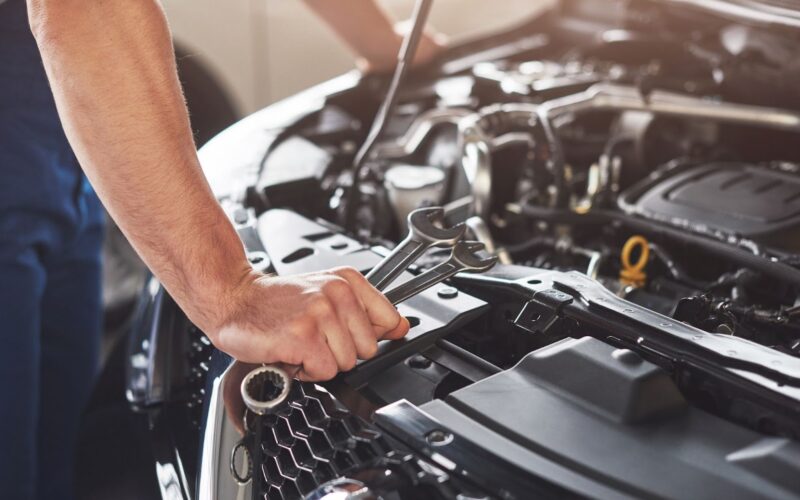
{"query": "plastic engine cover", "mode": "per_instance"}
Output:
(738, 199)
(620, 423)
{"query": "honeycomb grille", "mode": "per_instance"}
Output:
(310, 441)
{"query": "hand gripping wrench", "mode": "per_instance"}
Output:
(422, 235)
(462, 259)
(267, 387)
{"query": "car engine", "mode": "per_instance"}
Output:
(636, 174)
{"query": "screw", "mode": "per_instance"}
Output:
(447, 292)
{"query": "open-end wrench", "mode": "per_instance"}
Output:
(423, 234)
(462, 259)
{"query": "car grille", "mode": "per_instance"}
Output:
(311, 441)
(314, 439)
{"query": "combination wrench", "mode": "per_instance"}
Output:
(462, 259)
(423, 233)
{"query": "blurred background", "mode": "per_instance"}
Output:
(260, 51)
(238, 56)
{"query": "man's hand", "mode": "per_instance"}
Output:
(321, 321)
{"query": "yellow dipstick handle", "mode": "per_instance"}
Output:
(632, 273)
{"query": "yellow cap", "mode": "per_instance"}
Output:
(632, 273)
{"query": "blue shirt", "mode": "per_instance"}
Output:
(39, 175)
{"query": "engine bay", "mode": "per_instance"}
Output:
(638, 180)
(558, 164)
(634, 166)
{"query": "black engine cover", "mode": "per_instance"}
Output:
(736, 199)
(579, 404)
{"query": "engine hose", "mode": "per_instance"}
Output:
(775, 269)
(675, 270)
(482, 132)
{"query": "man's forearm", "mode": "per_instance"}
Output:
(112, 70)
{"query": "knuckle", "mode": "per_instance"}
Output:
(370, 349)
(302, 327)
(329, 372)
(320, 305)
(349, 272)
(336, 285)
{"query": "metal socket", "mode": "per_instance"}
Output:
(264, 388)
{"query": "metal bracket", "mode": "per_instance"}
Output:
(575, 296)
(539, 314)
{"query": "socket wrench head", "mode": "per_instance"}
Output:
(264, 388)
(426, 225)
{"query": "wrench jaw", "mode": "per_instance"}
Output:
(427, 224)
(466, 253)
(425, 231)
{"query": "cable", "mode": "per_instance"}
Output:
(404, 58)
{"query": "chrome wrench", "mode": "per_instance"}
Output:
(423, 233)
(462, 259)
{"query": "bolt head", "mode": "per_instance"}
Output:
(419, 361)
(438, 437)
(447, 292)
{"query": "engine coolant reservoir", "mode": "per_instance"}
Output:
(412, 186)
